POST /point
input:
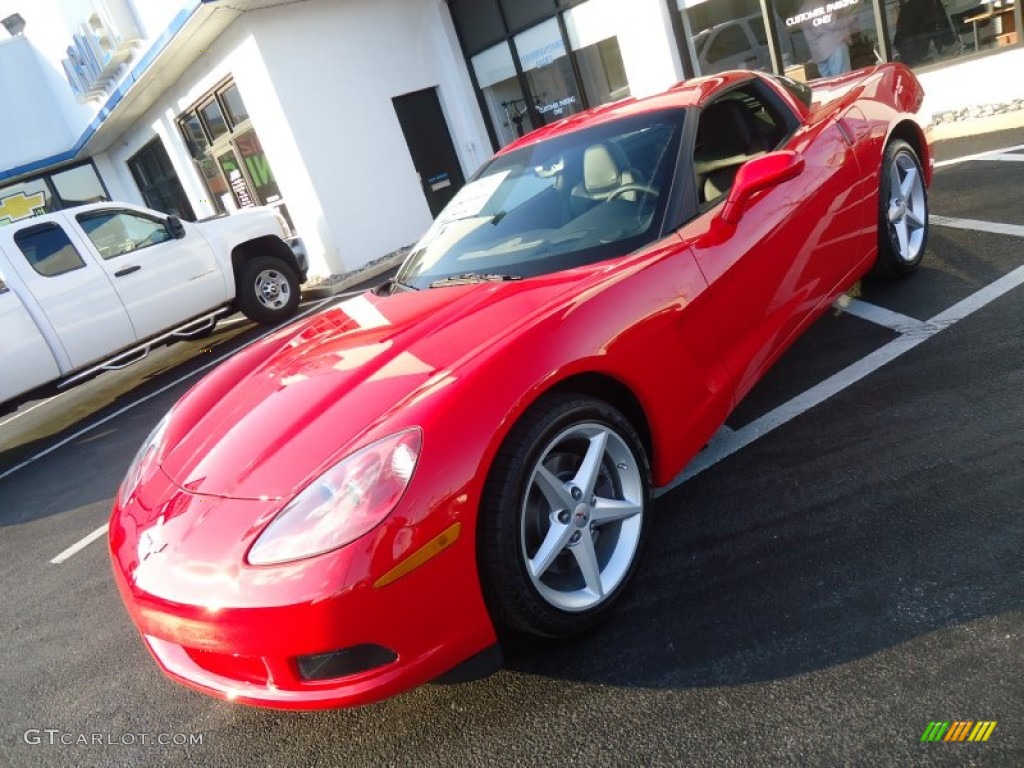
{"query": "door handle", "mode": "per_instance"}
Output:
(127, 270)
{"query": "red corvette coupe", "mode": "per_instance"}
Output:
(363, 501)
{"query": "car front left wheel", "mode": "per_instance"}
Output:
(564, 517)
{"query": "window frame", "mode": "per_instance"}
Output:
(45, 227)
(87, 215)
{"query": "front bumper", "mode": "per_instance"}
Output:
(238, 632)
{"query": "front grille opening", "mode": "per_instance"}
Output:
(249, 669)
(348, 661)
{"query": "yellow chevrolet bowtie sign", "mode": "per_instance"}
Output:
(20, 206)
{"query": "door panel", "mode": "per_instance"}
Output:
(75, 295)
(794, 248)
(161, 281)
(431, 147)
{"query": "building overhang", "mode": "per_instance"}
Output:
(193, 29)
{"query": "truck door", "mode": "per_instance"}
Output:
(76, 307)
(27, 360)
(162, 282)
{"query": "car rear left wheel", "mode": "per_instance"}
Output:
(563, 518)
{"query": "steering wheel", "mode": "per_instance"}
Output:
(642, 188)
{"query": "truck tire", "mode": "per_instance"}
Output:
(268, 290)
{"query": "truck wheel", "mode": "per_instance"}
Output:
(268, 290)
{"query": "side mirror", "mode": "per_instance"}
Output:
(760, 173)
(175, 227)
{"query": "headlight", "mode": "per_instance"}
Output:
(145, 461)
(346, 501)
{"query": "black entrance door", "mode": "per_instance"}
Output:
(430, 145)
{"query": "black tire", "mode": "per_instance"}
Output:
(516, 516)
(268, 290)
(902, 214)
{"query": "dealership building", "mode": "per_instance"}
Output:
(360, 119)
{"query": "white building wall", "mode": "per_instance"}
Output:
(646, 41)
(39, 130)
(335, 90)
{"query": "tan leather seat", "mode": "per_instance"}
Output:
(603, 174)
(726, 139)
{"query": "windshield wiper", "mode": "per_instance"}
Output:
(470, 278)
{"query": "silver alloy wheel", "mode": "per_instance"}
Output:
(272, 289)
(908, 211)
(582, 517)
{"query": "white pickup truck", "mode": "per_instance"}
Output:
(94, 288)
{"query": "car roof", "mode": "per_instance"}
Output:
(688, 93)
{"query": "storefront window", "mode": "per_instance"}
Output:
(928, 31)
(52, 191)
(234, 106)
(591, 29)
(228, 152)
(158, 181)
(496, 76)
(78, 186)
(727, 34)
(548, 70)
(837, 36)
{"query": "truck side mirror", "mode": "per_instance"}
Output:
(175, 227)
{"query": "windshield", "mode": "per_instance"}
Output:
(579, 198)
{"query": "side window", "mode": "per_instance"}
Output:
(732, 130)
(48, 250)
(121, 232)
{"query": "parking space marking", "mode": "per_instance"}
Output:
(879, 315)
(80, 545)
(976, 225)
(723, 445)
(993, 154)
(19, 414)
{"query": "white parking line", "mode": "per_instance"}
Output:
(879, 315)
(80, 545)
(992, 227)
(994, 154)
(19, 414)
(723, 445)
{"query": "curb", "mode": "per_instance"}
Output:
(350, 279)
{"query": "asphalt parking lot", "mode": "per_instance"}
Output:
(839, 568)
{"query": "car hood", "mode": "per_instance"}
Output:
(276, 415)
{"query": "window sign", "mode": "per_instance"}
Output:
(256, 163)
(539, 46)
(239, 188)
(548, 71)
